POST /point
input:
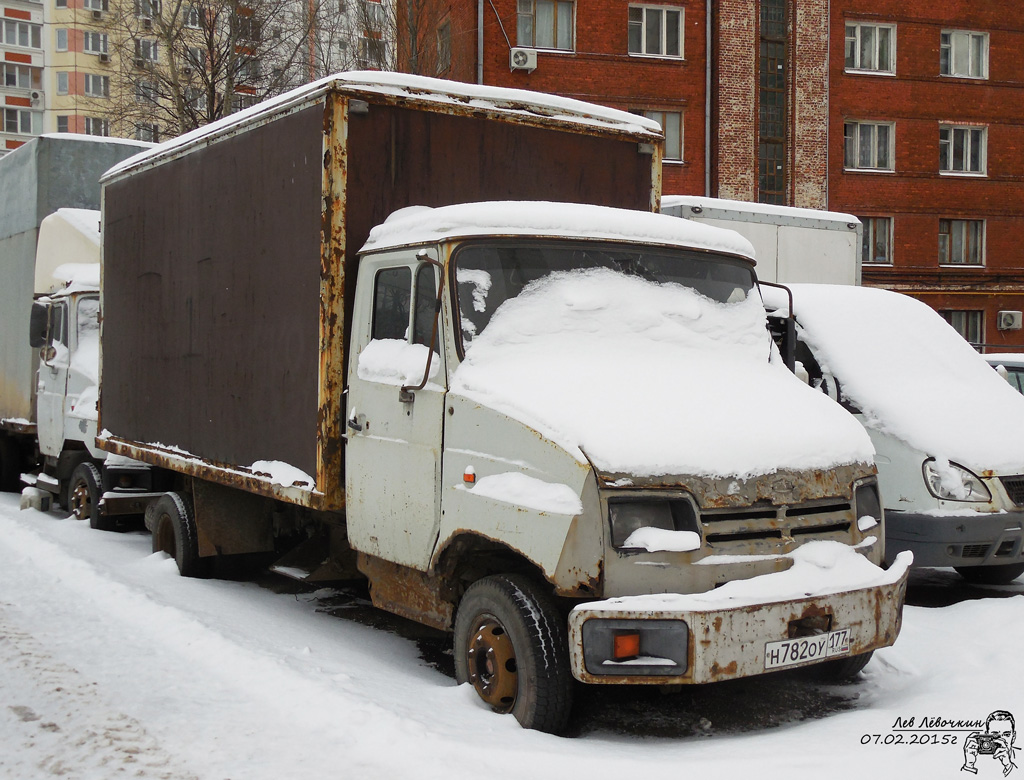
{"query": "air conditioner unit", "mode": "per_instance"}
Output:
(139, 62)
(1009, 320)
(104, 58)
(97, 15)
(522, 59)
(36, 96)
(147, 23)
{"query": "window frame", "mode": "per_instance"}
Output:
(660, 116)
(972, 320)
(947, 53)
(869, 242)
(947, 149)
(641, 26)
(946, 246)
(90, 84)
(858, 44)
(890, 151)
(20, 116)
(90, 38)
(526, 25)
(13, 29)
(104, 126)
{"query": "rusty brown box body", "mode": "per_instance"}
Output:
(229, 259)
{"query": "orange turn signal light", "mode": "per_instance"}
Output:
(625, 646)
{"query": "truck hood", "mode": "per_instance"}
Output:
(913, 376)
(651, 379)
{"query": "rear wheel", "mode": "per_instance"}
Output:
(511, 646)
(991, 575)
(174, 533)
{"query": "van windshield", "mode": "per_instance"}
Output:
(488, 274)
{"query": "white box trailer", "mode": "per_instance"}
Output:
(792, 245)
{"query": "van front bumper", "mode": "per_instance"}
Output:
(956, 540)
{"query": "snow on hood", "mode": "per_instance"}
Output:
(420, 224)
(913, 376)
(653, 380)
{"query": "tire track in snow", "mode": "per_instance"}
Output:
(63, 717)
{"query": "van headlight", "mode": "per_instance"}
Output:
(626, 516)
(952, 482)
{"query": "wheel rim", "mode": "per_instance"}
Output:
(81, 501)
(165, 535)
(492, 664)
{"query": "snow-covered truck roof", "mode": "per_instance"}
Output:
(419, 224)
(417, 92)
(690, 206)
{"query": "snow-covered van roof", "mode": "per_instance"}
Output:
(420, 224)
(689, 206)
(536, 107)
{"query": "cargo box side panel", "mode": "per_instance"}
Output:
(211, 298)
(18, 360)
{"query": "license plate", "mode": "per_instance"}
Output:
(805, 649)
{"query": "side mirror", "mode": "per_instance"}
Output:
(39, 325)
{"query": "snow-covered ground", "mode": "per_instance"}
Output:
(113, 666)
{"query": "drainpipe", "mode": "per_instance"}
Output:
(707, 101)
(479, 41)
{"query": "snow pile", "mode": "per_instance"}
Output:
(396, 362)
(819, 569)
(913, 376)
(662, 540)
(651, 380)
(419, 224)
(529, 492)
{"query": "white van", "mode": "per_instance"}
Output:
(945, 426)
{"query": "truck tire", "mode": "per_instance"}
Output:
(174, 533)
(84, 495)
(10, 464)
(840, 669)
(511, 646)
(991, 575)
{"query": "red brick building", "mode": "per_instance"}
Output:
(909, 114)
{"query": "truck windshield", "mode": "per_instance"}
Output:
(489, 274)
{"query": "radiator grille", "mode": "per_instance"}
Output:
(1014, 487)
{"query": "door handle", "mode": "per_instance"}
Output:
(353, 424)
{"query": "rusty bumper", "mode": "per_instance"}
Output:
(700, 646)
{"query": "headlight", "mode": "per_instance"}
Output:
(868, 504)
(951, 482)
(627, 516)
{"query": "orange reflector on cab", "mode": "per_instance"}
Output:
(469, 475)
(625, 646)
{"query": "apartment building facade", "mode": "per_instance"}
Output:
(23, 57)
(907, 114)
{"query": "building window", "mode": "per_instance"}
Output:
(245, 25)
(371, 53)
(656, 31)
(249, 70)
(21, 76)
(97, 126)
(962, 149)
(60, 4)
(146, 92)
(62, 82)
(871, 47)
(961, 242)
(968, 324)
(868, 145)
(964, 54)
(545, 24)
(95, 43)
(146, 49)
(876, 241)
(97, 86)
(62, 39)
(62, 124)
(192, 18)
(22, 34)
(147, 9)
(444, 47)
(374, 13)
(149, 133)
(773, 75)
(95, 5)
(22, 121)
(672, 125)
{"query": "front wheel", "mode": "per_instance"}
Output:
(84, 496)
(174, 532)
(511, 646)
(10, 464)
(840, 669)
(991, 575)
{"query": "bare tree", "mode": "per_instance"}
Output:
(185, 63)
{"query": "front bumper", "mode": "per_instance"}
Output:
(730, 643)
(958, 540)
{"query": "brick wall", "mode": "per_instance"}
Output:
(736, 117)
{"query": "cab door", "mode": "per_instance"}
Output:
(394, 434)
(54, 361)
